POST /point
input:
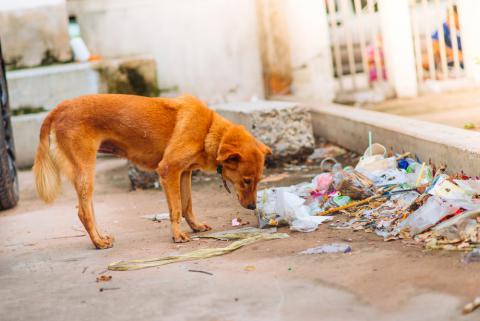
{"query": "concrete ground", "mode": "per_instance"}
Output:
(48, 267)
(455, 108)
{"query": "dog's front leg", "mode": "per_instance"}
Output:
(170, 179)
(187, 212)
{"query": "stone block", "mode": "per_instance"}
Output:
(34, 33)
(136, 76)
(286, 127)
(142, 179)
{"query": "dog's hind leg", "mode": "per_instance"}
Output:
(83, 183)
(80, 155)
(186, 192)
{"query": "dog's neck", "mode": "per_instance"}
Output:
(214, 136)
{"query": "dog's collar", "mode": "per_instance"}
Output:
(220, 172)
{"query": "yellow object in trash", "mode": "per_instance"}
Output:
(272, 222)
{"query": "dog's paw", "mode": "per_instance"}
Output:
(181, 237)
(105, 242)
(201, 227)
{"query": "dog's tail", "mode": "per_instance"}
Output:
(46, 168)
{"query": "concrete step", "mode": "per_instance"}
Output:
(47, 86)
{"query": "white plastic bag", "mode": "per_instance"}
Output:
(290, 206)
(428, 215)
(444, 188)
(279, 206)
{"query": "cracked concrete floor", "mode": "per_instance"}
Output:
(48, 269)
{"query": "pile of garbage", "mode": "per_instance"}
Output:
(396, 197)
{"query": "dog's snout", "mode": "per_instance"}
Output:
(252, 206)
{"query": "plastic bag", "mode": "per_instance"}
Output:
(279, 206)
(351, 183)
(444, 188)
(374, 161)
(323, 183)
(405, 199)
(308, 223)
(470, 186)
(473, 256)
(329, 248)
(371, 166)
(416, 176)
(392, 176)
(427, 215)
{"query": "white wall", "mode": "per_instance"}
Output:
(469, 13)
(27, 4)
(310, 54)
(34, 32)
(208, 48)
(398, 46)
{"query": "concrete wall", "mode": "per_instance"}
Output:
(311, 57)
(208, 48)
(398, 42)
(26, 131)
(295, 45)
(469, 11)
(34, 32)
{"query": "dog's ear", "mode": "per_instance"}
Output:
(228, 156)
(265, 149)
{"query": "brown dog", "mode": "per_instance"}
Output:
(172, 136)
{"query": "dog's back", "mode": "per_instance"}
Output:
(135, 127)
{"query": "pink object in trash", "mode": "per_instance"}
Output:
(323, 183)
(373, 73)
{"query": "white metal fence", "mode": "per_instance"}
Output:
(437, 40)
(358, 53)
(356, 44)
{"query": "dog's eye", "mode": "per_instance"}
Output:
(247, 181)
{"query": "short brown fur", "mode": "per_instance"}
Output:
(171, 136)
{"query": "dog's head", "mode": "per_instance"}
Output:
(242, 158)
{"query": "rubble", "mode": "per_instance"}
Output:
(286, 127)
(394, 196)
(142, 179)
